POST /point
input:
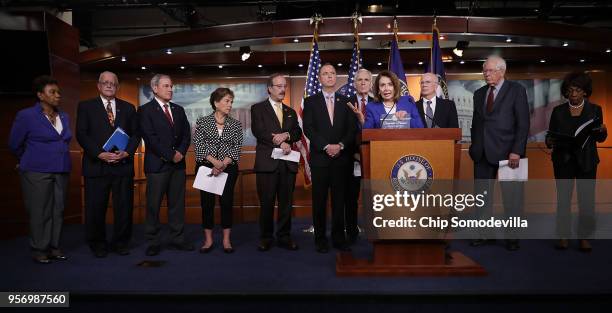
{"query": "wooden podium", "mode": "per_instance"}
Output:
(380, 149)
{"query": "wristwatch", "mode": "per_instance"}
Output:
(341, 146)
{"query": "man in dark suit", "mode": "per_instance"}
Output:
(275, 125)
(500, 126)
(107, 171)
(329, 124)
(435, 112)
(358, 102)
(166, 133)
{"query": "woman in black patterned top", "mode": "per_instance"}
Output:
(218, 141)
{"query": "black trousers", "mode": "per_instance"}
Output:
(97, 192)
(207, 201)
(172, 184)
(565, 176)
(329, 179)
(352, 204)
(272, 187)
(512, 194)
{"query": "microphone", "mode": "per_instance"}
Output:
(384, 118)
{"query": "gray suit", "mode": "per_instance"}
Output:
(495, 135)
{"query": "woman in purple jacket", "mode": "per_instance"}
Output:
(40, 139)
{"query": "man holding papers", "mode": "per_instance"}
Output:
(500, 126)
(108, 170)
(276, 128)
(166, 133)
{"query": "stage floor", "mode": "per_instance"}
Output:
(535, 269)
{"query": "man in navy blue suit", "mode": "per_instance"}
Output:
(329, 124)
(106, 171)
(166, 133)
(500, 126)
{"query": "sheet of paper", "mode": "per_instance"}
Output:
(505, 173)
(293, 156)
(356, 169)
(207, 182)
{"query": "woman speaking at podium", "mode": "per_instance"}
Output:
(390, 109)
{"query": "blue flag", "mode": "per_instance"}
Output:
(436, 65)
(397, 67)
(356, 61)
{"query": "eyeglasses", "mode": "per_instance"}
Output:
(108, 83)
(280, 86)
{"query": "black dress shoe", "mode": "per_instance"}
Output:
(288, 244)
(512, 245)
(182, 246)
(57, 254)
(121, 250)
(322, 248)
(228, 250)
(99, 252)
(207, 249)
(264, 245)
(41, 259)
(342, 247)
(152, 250)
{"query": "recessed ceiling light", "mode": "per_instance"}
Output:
(608, 50)
(259, 65)
(182, 67)
(542, 61)
(420, 62)
(442, 37)
(123, 59)
(508, 39)
(143, 67)
(565, 44)
(169, 51)
(301, 65)
(461, 62)
(379, 63)
(369, 38)
(582, 60)
(339, 64)
(296, 40)
(220, 66)
(228, 45)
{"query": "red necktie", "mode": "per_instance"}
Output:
(109, 113)
(168, 116)
(363, 106)
(490, 99)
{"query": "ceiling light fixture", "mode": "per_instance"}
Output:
(245, 53)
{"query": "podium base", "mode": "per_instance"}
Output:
(457, 265)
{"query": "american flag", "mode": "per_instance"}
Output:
(356, 61)
(312, 87)
(436, 65)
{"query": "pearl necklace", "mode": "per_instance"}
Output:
(576, 107)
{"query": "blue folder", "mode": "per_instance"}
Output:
(119, 139)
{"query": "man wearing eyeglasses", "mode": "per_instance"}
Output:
(107, 172)
(275, 126)
(500, 126)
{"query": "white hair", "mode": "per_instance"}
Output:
(155, 80)
(108, 73)
(437, 79)
(500, 63)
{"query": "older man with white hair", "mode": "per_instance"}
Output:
(435, 112)
(500, 126)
